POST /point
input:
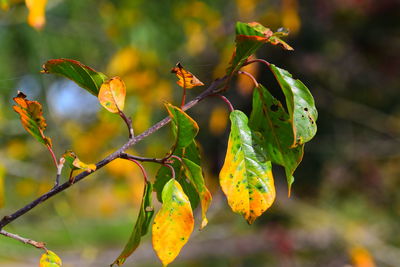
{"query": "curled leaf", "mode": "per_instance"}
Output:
(37, 10)
(141, 226)
(246, 177)
(32, 119)
(186, 79)
(112, 95)
(50, 259)
(81, 74)
(74, 163)
(173, 223)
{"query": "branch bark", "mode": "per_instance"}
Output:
(212, 89)
(34, 243)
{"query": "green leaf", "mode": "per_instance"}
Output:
(173, 223)
(270, 119)
(195, 176)
(81, 74)
(74, 162)
(300, 104)
(184, 127)
(32, 119)
(246, 177)
(141, 226)
(164, 174)
(50, 259)
(249, 38)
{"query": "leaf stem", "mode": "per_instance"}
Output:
(128, 122)
(146, 180)
(226, 100)
(143, 159)
(52, 155)
(263, 61)
(172, 170)
(36, 244)
(250, 76)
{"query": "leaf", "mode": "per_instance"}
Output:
(74, 163)
(164, 174)
(82, 75)
(32, 119)
(50, 259)
(184, 127)
(112, 95)
(246, 176)
(249, 38)
(300, 104)
(194, 174)
(173, 223)
(141, 226)
(37, 10)
(186, 79)
(270, 119)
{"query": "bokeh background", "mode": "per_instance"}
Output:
(345, 204)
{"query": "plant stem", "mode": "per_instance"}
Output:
(263, 61)
(36, 244)
(212, 89)
(146, 180)
(183, 97)
(52, 155)
(143, 159)
(250, 76)
(128, 122)
(226, 100)
(172, 170)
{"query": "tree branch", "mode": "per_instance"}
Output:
(212, 89)
(34, 243)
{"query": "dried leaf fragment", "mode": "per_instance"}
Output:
(32, 119)
(186, 79)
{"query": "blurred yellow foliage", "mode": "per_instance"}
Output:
(142, 117)
(124, 61)
(218, 120)
(196, 39)
(26, 187)
(290, 15)
(361, 257)
(246, 8)
(17, 149)
(37, 9)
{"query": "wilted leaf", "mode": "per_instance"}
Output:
(186, 79)
(246, 177)
(82, 75)
(195, 176)
(173, 223)
(249, 38)
(37, 13)
(32, 119)
(74, 163)
(185, 128)
(270, 119)
(300, 105)
(112, 95)
(164, 174)
(141, 226)
(50, 259)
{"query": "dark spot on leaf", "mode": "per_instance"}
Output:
(274, 108)
(305, 109)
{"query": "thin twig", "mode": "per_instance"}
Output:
(263, 61)
(53, 156)
(146, 180)
(172, 170)
(223, 98)
(34, 243)
(128, 122)
(142, 159)
(250, 76)
(212, 89)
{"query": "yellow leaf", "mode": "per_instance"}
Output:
(173, 224)
(246, 177)
(37, 9)
(112, 95)
(50, 259)
(74, 163)
(186, 79)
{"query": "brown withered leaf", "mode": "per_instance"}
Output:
(186, 79)
(32, 119)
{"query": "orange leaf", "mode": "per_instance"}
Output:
(32, 118)
(186, 79)
(112, 95)
(37, 9)
(173, 224)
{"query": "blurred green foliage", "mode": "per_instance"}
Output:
(345, 204)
